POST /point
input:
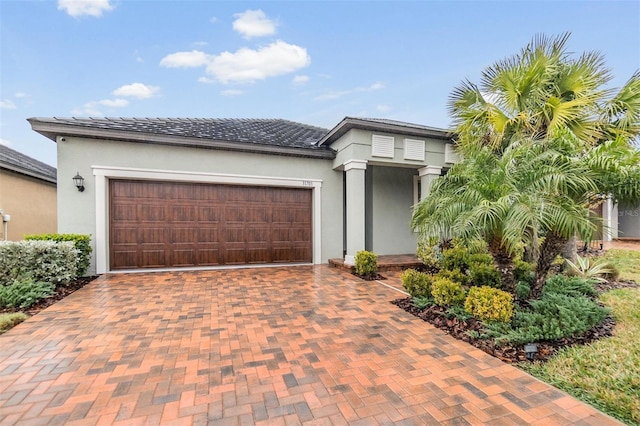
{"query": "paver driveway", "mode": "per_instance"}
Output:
(290, 345)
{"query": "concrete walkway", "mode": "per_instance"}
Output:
(293, 345)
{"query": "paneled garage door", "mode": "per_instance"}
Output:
(172, 224)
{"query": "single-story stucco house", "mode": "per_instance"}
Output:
(168, 193)
(171, 193)
(27, 196)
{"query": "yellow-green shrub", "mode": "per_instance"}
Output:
(446, 292)
(454, 275)
(417, 284)
(366, 263)
(489, 304)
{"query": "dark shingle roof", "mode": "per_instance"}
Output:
(13, 160)
(201, 132)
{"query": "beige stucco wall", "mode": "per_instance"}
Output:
(31, 204)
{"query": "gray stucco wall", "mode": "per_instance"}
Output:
(77, 210)
(629, 222)
(391, 207)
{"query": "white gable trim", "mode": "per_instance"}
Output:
(104, 173)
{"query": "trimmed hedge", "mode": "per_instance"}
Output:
(417, 284)
(46, 261)
(446, 292)
(366, 263)
(489, 304)
(82, 243)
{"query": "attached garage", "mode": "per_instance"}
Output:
(157, 224)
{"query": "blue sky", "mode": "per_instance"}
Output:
(312, 62)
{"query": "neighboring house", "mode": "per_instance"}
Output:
(622, 221)
(166, 193)
(27, 195)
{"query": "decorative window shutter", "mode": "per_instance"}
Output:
(382, 146)
(450, 154)
(413, 149)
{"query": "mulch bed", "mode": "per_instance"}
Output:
(61, 292)
(459, 329)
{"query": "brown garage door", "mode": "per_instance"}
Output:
(171, 224)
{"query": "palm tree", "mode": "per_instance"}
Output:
(502, 198)
(537, 100)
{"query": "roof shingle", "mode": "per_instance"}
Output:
(15, 161)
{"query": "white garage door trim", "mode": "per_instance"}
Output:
(104, 173)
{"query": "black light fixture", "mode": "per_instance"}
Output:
(79, 182)
(530, 350)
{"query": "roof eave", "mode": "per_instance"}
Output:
(349, 123)
(53, 130)
(26, 172)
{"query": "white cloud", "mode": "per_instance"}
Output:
(248, 65)
(200, 43)
(192, 59)
(7, 104)
(78, 8)
(136, 90)
(383, 108)
(20, 95)
(213, 20)
(232, 92)
(339, 94)
(114, 103)
(88, 109)
(299, 80)
(5, 142)
(254, 23)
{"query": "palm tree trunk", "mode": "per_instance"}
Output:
(570, 250)
(551, 248)
(505, 265)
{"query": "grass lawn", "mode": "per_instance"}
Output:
(606, 373)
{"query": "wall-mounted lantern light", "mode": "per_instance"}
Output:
(78, 182)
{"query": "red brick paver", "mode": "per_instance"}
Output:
(296, 345)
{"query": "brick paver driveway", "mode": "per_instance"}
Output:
(282, 346)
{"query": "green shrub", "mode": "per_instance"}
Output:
(46, 261)
(523, 290)
(483, 274)
(82, 243)
(430, 255)
(454, 275)
(489, 304)
(366, 263)
(524, 271)
(482, 258)
(8, 321)
(422, 302)
(24, 292)
(417, 284)
(569, 286)
(456, 257)
(446, 292)
(552, 317)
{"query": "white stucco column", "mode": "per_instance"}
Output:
(427, 175)
(355, 208)
(610, 220)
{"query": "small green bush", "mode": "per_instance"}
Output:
(454, 275)
(81, 242)
(46, 261)
(24, 292)
(524, 271)
(417, 284)
(446, 292)
(456, 257)
(482, 258)
(523, 290)
(552, 317)
(366, 263)
(430, 255)
(569, 286)
(489, 304)
(422, 302)
(8, 321)
(483, 274)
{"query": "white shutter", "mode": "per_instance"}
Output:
(382, 146)
(413, 149)
(450, 154)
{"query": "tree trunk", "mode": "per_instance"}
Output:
(505, 266)
(570, 249)
(551, 248)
